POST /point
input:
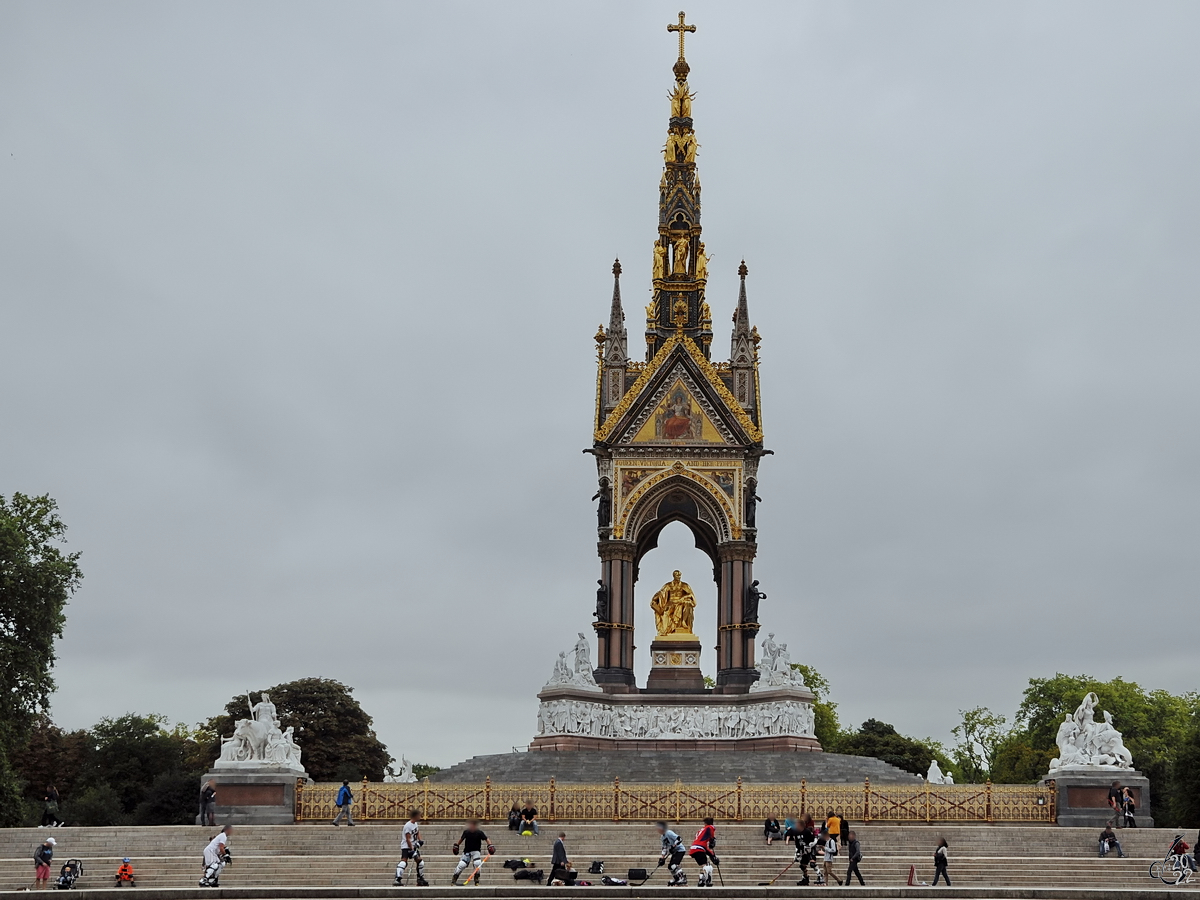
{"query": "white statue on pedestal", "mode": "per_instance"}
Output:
(775, 670)
(934, 775)
(1085, 743)
(258, 741)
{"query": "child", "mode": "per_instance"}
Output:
(125, 874)
(672, 854)
(703, 852)
(830, 849)
(410, 850)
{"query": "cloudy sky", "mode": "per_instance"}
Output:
(297, 304)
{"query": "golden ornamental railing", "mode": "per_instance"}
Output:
(738, 802)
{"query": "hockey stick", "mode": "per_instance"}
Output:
(780, 875)
(719, 875)
(475, 874)
(649, 876)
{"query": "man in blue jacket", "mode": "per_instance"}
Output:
(345, 801)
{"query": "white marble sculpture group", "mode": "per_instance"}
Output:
(935, 775)
(259, 741)
(1085, 743)
(775, 669)
(405, 775)
(578, 675)
(597, 719)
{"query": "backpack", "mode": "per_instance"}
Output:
(535, 875)
(515, 864)
(597, 867)
(613, 882)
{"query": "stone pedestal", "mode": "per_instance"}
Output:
(675, 665)
(1082, 795)
(254, 794)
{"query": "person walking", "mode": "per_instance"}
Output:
(345, 804)
(410, 850)
(471, 843)
(42, 858)
(50, 817)
(833, 824)
(1116, 799)
(941, 857)
(830, 850)
(853, 858)
(208, 802)
(703, 851)
(672, 854)
(216, 857)
(1108, 840)
(560, 866)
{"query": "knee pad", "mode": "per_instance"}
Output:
(400, 867)
(420, 868)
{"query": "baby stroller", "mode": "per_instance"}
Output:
(70, 872)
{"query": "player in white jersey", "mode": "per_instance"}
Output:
(410, 851)
(216, 857)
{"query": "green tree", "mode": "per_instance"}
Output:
(979, 736)
(36, 579)
(826, 727)
(882, 741)
(335, 734)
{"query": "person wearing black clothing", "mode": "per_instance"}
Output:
(208, 799)
(1116, 800)
(1128, 807)
(845, 830)
(471, 843)
(854, 857)
(804, 836)
(529, 818)
(560, 866)
(940, 859)
(1108, 840)
(50, 811)
(771, 830)
(514, 817)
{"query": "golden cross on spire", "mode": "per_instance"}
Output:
(682, 29)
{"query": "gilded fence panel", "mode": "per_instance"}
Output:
(1018, 803)
(680, 802)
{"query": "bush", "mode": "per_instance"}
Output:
(174, 799)
(95, 806)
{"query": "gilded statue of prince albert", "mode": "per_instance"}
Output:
(674, 608)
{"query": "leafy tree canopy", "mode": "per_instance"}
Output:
(882, 741)
(36, 578)
(335, 734)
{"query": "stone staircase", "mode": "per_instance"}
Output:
(315, 856)
(665, 766)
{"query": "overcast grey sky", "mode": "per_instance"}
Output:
(297, 304)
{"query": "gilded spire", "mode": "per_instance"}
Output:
(616, 351)
(680, 269)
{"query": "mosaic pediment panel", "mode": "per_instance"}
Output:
(678, 413)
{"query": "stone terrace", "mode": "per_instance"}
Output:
(316, 856)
